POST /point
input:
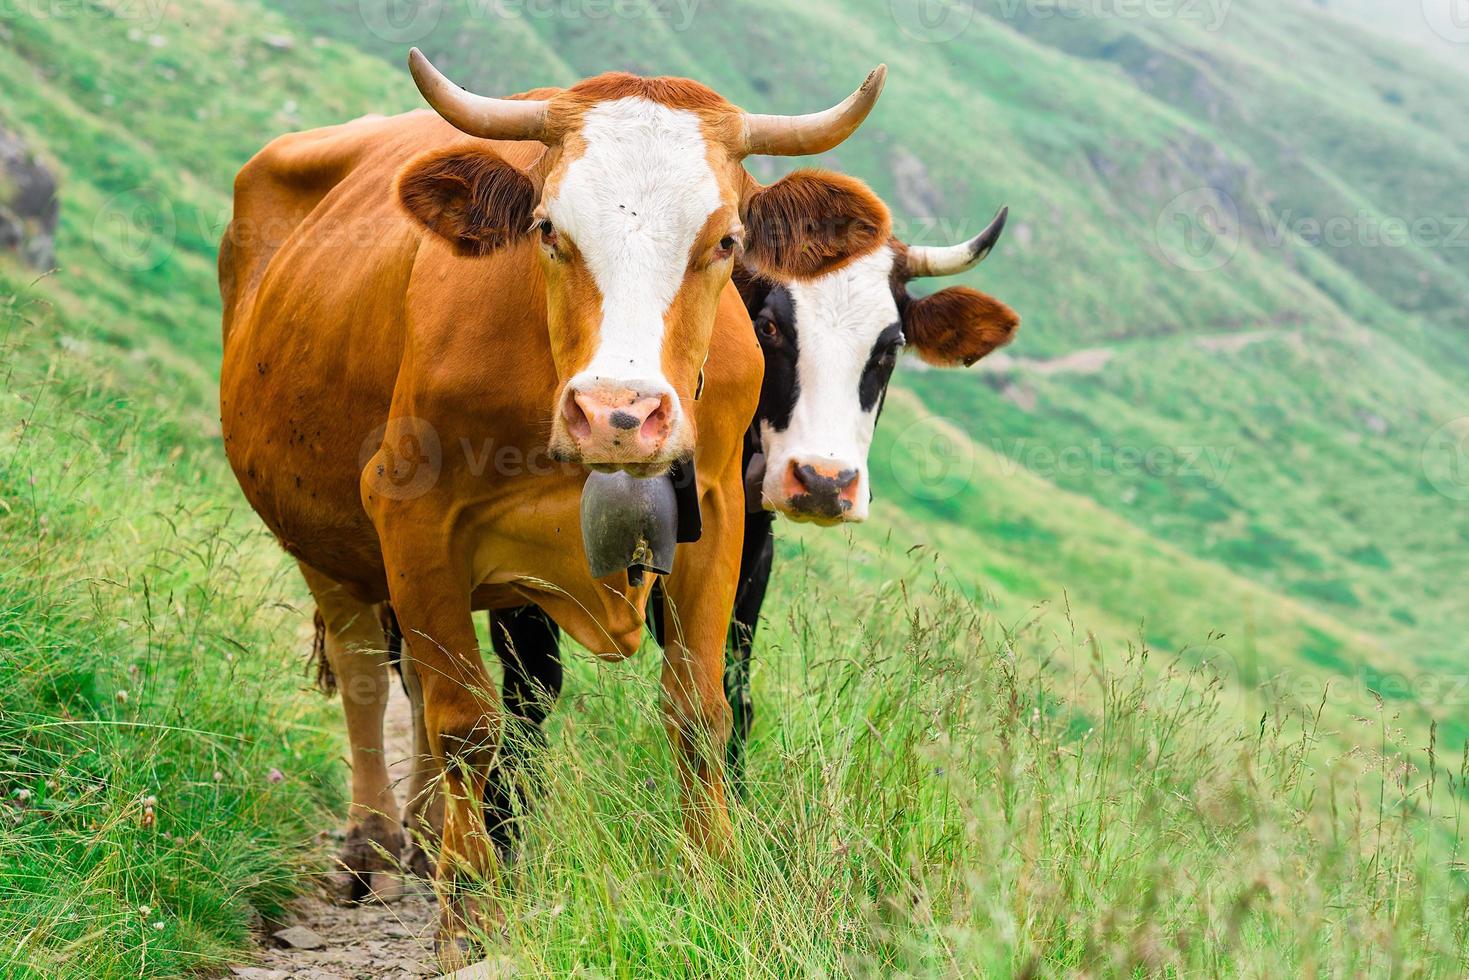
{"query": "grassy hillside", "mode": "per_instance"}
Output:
(161, 778)
(1272, 392)
(1085, 582)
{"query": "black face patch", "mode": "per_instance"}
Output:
(775, 326)
(880, 364)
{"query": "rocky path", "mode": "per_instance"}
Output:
(323, 941)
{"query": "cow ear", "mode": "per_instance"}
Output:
(957, 326)
(474, 199)
(811, 222)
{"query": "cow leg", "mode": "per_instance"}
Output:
(699, 598)
(755, 562)
(354, 647)
(526, 641)
(461, 713)
(423, 814)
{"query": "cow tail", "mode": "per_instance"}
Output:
(393, 633)
(326, 681)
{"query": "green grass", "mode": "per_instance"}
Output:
(950, 778)
(947, 794)
(161, 781)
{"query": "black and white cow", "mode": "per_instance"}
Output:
(830, 346)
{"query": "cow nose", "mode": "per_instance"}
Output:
(618, 424)
(822, 490)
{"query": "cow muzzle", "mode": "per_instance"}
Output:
(634, 427)
(823, 491)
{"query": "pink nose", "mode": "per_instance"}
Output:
(618, 425)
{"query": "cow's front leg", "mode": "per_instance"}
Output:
(699, 598)
(461, 715)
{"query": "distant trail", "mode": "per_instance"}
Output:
(385, 942)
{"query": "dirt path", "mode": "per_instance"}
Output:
(381, 942)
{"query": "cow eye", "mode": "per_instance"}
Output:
(548, 233)
(726, 248)
(768, 330)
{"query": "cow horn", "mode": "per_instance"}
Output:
(816, 132)
(478, 115)
(950, 260)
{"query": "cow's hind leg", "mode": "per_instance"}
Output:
(353, 644)
(423, 811)
(755, 561)
(526, 641)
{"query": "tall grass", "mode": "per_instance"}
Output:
(160, 784)
(935, 794)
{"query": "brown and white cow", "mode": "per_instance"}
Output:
(830, 345)
(420, 309)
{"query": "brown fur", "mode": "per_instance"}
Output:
(676, 93)
(473, 198)
(332, 341)
(958, 325)
(812, 222)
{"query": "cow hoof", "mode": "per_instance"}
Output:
(418, 863)
(370, 869)
(466, 920)
(454, 953)
(367, 888)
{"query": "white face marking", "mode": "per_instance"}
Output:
(839, 317)
(633, 203)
